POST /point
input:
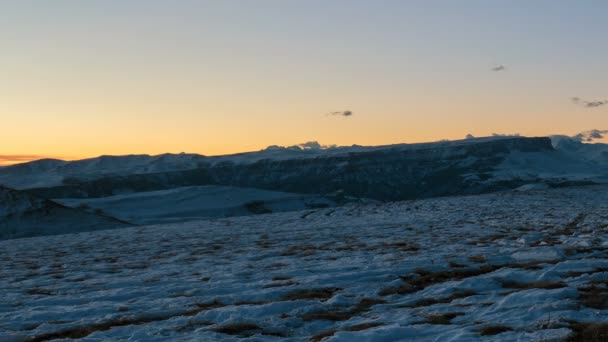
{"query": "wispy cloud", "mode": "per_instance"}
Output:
(345, 113)
(588, 104)
(18, 158)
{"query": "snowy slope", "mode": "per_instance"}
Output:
(197, 202)
(22, 215)
(516, 266)
(571, 160)
(51, 172)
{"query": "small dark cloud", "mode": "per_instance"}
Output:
(596, 103)
(588, 104)
(470, 136)
(345, 113)
(499, 68)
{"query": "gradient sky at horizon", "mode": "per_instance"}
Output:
(85, 78)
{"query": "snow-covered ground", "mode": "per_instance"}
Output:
(24, 215)
(196, 202)
(514, 266)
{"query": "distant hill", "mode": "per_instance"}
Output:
(54, 172)
(386, 173)
(200, 202)
(145, 189)
(24, 215)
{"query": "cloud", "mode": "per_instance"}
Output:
(310, 145)
(583, 137)
(596, 103)
(470, 136)
(588, 104)
(18, 158)
(345, 113)
(499, 68)
(506, 135)
(589, 136)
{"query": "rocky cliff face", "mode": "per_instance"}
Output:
(396, 173)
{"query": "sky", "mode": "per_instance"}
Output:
(86, 78)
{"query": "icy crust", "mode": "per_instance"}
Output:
(517, 266)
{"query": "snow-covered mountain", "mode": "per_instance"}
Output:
(53, 172)
(571, 160)
(169, 188)
(23, 215)
(383, 173)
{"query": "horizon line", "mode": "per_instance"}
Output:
(16, 159)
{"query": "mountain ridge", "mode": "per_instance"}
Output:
(54, 172)
(384, 174)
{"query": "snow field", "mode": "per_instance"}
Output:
(501, 267)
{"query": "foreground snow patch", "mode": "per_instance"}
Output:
(505, 267)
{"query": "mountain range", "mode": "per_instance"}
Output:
(142, 189)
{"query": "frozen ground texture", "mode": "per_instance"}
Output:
(514, 266)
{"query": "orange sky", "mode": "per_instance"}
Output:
(82, 79)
